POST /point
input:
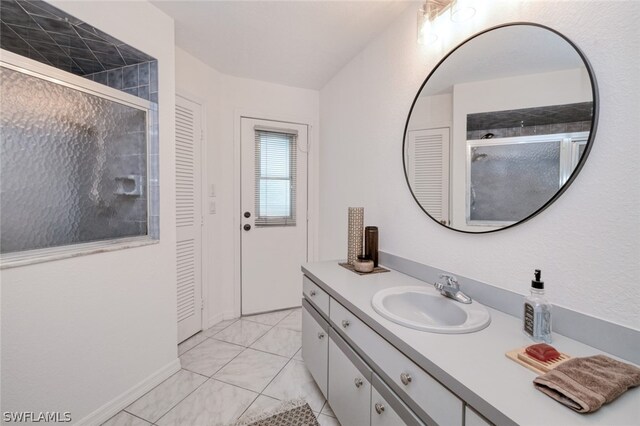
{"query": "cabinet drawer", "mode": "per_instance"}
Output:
(315, 295)
(425, 394)
(315, 345)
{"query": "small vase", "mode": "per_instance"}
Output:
(371, 244)
(354, 240)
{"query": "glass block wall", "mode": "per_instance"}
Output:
(73, 166)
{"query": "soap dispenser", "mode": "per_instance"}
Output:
(537, 312)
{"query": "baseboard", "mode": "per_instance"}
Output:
(227, 315)
(213, 320)
(122, 401)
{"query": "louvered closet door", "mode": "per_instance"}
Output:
(188, 217)
(428, 170)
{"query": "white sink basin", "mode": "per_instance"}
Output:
(424, 308)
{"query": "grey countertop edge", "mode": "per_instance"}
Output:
(479, 404)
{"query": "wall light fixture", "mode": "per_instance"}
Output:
(459, 11)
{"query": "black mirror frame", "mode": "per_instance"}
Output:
(585, 155)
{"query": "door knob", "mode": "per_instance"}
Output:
(358, 382)
(379, 408)
(345, 323)
(312, 293)
(247, 215)
(405, 378)
(320, 336)
(247, 227)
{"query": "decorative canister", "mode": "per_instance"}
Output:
(371, 244)
(354, 238)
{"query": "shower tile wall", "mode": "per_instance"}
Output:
(543, 129)
(138, 80)
(531, 121)
(39, 31)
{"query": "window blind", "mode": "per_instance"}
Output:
(275, 177)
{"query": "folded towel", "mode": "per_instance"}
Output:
(585, 384)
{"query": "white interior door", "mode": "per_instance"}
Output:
(428, 170)
(274, 213)
(188, 217)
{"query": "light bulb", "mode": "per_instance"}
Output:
(462, 10)
(426, 34)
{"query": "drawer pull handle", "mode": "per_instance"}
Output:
(405, 378)
(358, 382)
(379, 408)
(321, 335)
(312, 293)
(345, 323)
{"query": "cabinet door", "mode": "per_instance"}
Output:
(315, 345)
(382, 414)
(387, 409)
(474, 419)
(349, 388)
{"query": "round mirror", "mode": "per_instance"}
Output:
(500, 128)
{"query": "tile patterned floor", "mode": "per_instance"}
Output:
(235, 369)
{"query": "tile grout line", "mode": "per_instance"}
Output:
(269, 353)
(236, 386)
(207, 337)
(248, 406)
(211, 377)
(257, 338)
(271, 381)
(174, 405)
(234, 357)
(203, 375)
(199, 386)
(271, 327)
(136, 416)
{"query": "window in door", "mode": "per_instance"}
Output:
(275, 189)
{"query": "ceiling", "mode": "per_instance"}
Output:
(296, 43)
(501, 53)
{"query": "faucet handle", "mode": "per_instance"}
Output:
(452, 280)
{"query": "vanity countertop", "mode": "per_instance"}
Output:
(474, 365)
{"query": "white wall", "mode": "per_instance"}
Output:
(82, 332)
(430, 112)
(587, 243)
(225, 97)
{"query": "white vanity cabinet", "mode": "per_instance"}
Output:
(423, 393)
(341, 353)
(422, 378)
(315, 345)
(349, 384)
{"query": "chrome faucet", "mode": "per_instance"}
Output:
(451, 289)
